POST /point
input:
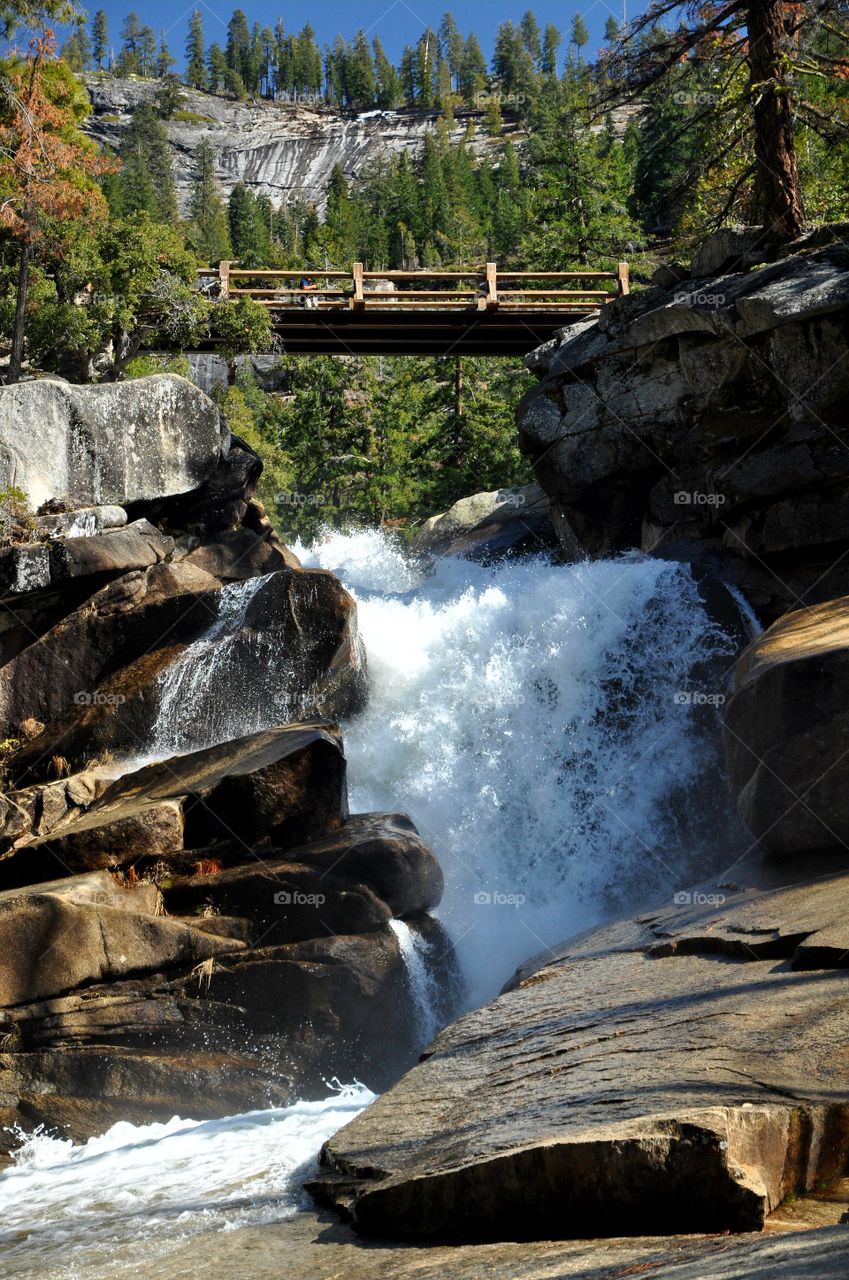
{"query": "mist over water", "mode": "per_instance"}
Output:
(530, 718)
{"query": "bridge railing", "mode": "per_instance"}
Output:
(483, 288)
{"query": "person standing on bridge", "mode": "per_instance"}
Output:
(307, 286)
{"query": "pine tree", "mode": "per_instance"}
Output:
(147, 50)
(129, 63)
(579, 36)
(100, 37)
(147, 179)
(238, 51)
(76, 50)
(387, 85)
(472, 75)
(164, 60)
(451, 45)
(360, 78)
(249, 231)
(424, 69)
(217, 68)
(550, 44)
(206, 208)
(531, 37)
(195, 59)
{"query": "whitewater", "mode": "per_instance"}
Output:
(543, 725)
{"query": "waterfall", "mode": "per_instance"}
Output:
(226, 684)
(117, 1203)
(551, 729)
(421, 979)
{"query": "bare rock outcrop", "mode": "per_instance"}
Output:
(641, 1080)
(707, 420)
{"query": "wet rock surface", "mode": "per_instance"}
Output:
(646, 1058)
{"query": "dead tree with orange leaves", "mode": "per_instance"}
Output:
(47, 165)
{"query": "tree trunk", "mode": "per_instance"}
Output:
(778, 192)
(16, 359)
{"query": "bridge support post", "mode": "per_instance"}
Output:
(224, 280)
(491, 286)
(623, 279)
(358, 301)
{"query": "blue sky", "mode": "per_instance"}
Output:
(397, 22)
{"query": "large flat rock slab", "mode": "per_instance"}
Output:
(684, 1049)
(116, 443)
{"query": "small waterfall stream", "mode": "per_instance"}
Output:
(422, 980)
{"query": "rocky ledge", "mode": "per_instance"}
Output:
(190, 918)
(707, 420)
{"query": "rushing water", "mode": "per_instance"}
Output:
(69, 1212)
(543, 725)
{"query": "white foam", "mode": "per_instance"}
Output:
(90, 1210)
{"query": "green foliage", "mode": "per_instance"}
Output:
(16, 521)
(378, 441)
(242, 326)
(209, 232)
(146, 181)
(144, 366)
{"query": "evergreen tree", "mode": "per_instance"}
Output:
(238, 50)
(216, 67)
(206, 208)
(147, 51)
(360, 73)
(77, 48)
(249, 231)
(128, 61)
(424, 70)
(100, 37)
(196, 76)
(611, 30)
(472, 75)
(146, 182)
(451, 46)
(164, 59)
(387, 85)
(531, 37)
(579, 36)
(550, 45)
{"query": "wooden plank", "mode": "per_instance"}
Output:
(424, 275)
(224, 277)
(291, 275)
(623, 278)
(556, 293)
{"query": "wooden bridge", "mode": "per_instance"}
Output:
(474, 311)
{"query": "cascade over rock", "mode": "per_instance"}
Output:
(190, 919)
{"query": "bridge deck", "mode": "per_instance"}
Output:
(473, 311)
(431, 333)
